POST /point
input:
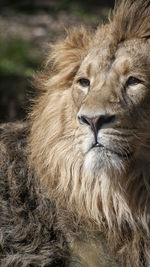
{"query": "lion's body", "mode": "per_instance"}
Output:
(88, 202)
(27, 236)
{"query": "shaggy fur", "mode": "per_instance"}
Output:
(65, 201)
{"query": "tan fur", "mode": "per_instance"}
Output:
(110, 193)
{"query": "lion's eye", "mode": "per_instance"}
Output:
(84, 82)
(132, 81)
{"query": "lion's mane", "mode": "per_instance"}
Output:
(118, 201)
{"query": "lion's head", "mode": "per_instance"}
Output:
(91, 124)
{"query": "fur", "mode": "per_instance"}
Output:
(91, 205)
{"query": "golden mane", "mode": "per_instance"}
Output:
(131, 19)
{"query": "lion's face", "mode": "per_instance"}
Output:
(112, 96)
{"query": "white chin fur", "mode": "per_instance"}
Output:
(97, 160)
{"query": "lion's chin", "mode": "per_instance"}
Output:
(99, 158)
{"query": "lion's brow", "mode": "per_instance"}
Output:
(88, 70)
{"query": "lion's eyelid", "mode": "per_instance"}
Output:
(132, 81)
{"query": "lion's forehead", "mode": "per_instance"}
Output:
(101, 63)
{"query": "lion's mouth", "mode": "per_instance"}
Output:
(123, 155)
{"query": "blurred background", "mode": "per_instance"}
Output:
(26, 28)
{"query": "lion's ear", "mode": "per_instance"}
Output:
(66, 56)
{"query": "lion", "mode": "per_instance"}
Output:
(75, 177)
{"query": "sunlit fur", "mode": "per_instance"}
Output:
(98, 186)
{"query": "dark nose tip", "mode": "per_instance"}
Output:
(97, 122)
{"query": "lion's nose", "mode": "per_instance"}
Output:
(97, 122)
